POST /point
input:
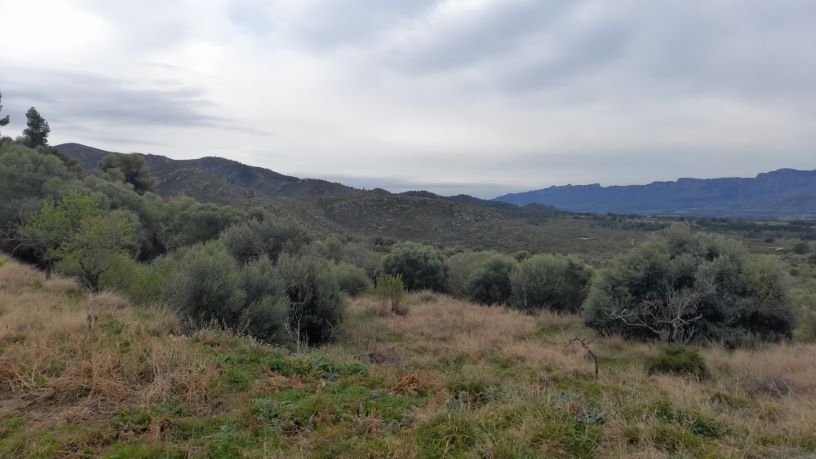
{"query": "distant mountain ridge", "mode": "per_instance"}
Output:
(458, 221)
(784, 193)
(175, 175)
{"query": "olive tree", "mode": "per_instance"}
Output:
(689, 287)
(547, 281)
(421, 266)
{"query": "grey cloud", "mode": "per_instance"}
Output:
(327, 26)
(491, 33)
(67, 96)
(615, 92)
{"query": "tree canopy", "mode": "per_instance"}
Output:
(37, 129)
(4, 121)
(129, 168)
(690, 287)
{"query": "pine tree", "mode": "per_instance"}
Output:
(3, 121)
(36, 133)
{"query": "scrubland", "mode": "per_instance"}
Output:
(87, 375)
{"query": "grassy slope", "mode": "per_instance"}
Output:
(450, 378)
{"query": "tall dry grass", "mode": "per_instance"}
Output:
(62, 348)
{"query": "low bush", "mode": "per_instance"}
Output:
(555, 282)
(352, 280)
(268, 237)
(801, 248)
(490, 283)
(677, 361)
(461, 268)
(315, 303)
(689, 287)
(421, 266)
(142, 283)
(204, 283)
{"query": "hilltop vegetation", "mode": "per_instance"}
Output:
(463, 222)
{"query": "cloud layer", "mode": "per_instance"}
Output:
(477, 96)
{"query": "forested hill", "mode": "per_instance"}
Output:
(459, 221)
(204, 175)
(785, 193)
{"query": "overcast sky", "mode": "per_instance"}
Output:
(475, 96)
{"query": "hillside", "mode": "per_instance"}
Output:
(785, 193)
(88, 375)
(460, 221)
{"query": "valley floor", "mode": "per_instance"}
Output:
(89, 375)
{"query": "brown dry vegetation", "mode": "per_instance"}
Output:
(448, 379)
(68, 357)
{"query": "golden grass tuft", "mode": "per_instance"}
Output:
(62, 350)
(776, 370)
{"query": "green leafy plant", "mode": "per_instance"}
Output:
(677, 361)
(390, 290)
(554, 282)
(421, 266)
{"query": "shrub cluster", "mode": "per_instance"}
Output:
(296, 300)
(555, 282)
(691, 288)
(422, 267)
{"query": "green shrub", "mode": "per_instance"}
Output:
(330, 248)
(801, 248)
(677, 361)
(351, 279)
(554, 282)
(390, 290)
(806, 321)
(421, 266)
(142, 283)
(692, 287)
(461, 267)
(490, 283)
(269, 237)
(128, 168)
(363, 257)
(96, 245)
(315, 303)
(26, 176)
(204, 282)
(265, 319)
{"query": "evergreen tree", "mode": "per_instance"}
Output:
(5, 120)
(36, 134)
(131, 169)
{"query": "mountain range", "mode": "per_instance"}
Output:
(784, 193)
(557, 219)
(456, 221)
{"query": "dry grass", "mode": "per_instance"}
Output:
(765, 399)
(438, 326)
(780, 370)
(510, 383)
(62, 349)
